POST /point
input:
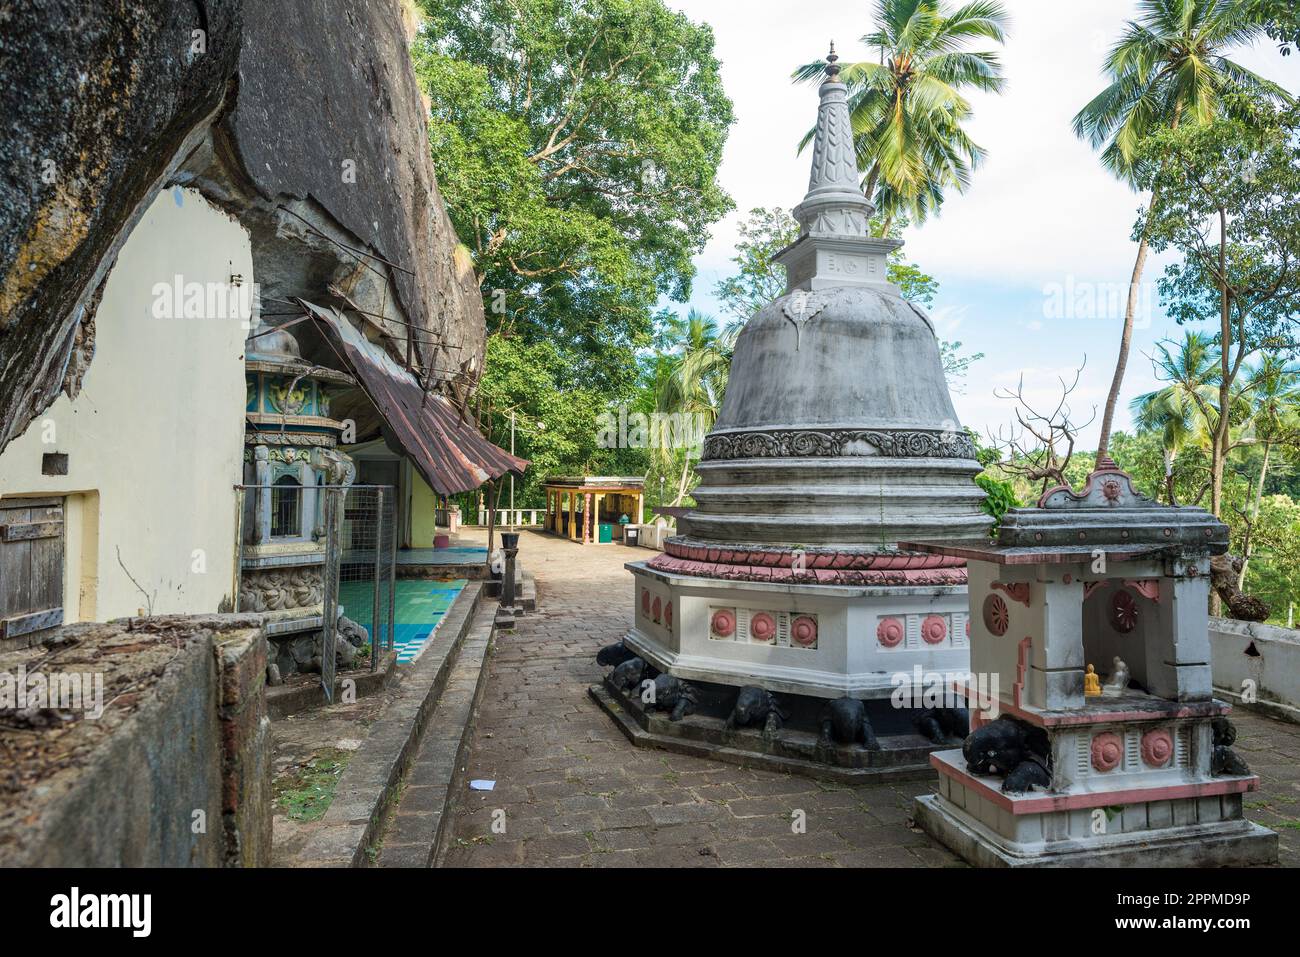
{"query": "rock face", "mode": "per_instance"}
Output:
(97, 104)
(837, 428)
(326, 148)
(302, 118)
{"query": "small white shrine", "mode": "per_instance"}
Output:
(1100, 740)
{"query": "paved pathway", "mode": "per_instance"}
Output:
(574, 792)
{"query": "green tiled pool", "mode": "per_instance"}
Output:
(419, 606)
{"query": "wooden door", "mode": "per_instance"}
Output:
(31, 568)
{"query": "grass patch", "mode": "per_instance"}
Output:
(304, 792)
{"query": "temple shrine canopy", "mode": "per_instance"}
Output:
(593, 508)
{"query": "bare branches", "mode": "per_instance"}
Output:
(1038, 446)
(148, 599)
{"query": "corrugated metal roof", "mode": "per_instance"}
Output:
(448, 450)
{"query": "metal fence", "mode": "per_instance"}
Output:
(349, 533)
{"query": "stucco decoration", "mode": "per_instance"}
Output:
(1107, 485)
(1157, 747)
(276, 590)
(1107, 751)
(800, 309)
(1016, 591)
(723, 622)
(890, 632)
(803, 631)
(1123, 612)
(839, 442)
(996, 614)
(762, 628)
(934, 629)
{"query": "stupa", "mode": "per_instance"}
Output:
(1063, 768)
(836, 439)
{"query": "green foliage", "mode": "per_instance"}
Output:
(305, 792)
(1229, 202)
(1280, 20)
(1274, 572)
(576, 144)
(757, 279)
(1000, 496)
(556, 425)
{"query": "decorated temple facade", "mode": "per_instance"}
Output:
(290, 457)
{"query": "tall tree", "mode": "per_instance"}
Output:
(908, 109)
(1167, 68)
(1186, 410)
(1274, 388)
(690, 388)
(577, 144)
(1230, 204)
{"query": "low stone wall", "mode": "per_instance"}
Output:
(1255, 661)
(175, 772)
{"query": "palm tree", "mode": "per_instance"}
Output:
(908, 109)
(1184, 411)
(1274, 387)
(1166, 68)
(692, 383)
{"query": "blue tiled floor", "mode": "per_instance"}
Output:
(418, 607)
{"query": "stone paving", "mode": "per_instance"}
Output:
(575, 792)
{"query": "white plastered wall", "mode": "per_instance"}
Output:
(155, 438)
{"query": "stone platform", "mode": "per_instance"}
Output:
(795, 749)
(1195, 845)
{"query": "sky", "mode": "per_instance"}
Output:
(1033, 260)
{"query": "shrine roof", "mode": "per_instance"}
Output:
(1107, 515)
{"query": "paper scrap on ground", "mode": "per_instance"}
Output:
(482, 785)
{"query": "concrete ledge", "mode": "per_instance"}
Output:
(1196, 846)
(365, 792)
(1262, 659)
(416, 830)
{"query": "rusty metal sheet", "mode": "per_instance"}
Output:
(448, 451)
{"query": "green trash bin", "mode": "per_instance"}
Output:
(606, 532)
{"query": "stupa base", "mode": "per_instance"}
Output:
(1193, 823)
(1243, 844)
(797, 638)
(793, 749)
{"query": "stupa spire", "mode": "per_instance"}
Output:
(835, 246)
(834, 162)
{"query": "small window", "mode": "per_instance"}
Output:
(286, 507)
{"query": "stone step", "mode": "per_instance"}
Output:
(415, 829)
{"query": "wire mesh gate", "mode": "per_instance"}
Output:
(349, 533)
